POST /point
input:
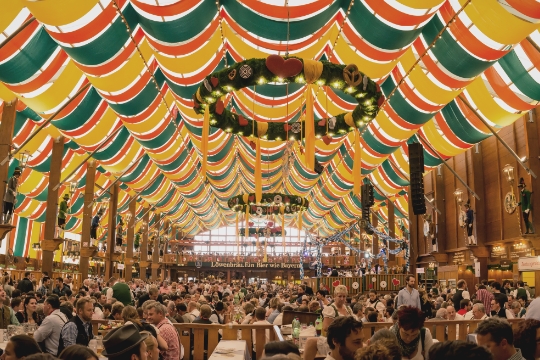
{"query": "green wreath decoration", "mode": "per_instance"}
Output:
(266, 232)
(275, 69)
(271, 204)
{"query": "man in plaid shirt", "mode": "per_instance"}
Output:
(44, 288)
(485, 297)
(157, 316)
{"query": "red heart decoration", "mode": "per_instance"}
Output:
(395, 282)
(283, 68)
(253, 208)
(327, 139)
(242, 120)
(270, 224)
(220, 106)
(370, 286)
(322, 122)
(336, 283)
(381, 100)
(286, 199)
(251, 198)
(214, 80)
(286, 127)
(251, 223)
(253, 145)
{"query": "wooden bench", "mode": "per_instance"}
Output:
(304, 317)
(229, 332)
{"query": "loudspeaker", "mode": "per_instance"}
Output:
(416, 168)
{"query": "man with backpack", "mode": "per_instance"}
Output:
(48, 333)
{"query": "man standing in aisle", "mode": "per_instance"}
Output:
(409, 296)
(461, 293)
(10, 197)
(120, 291)
(25, 285)
(49, 330)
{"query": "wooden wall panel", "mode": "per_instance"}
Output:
(491, 189)
(451, 208)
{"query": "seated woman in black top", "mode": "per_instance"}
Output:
(29, 314)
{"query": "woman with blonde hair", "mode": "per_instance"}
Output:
(152, 350)
(337, 308)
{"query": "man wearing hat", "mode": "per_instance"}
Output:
(10, 196)
(525, 203)
(62, 212)
(95, 224)
(125, 343)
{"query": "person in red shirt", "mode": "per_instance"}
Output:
(465, 306)
(485, 297)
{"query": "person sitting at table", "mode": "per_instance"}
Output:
(48, 334)
(131, 316)
(204, 318)
(20, 346)
(29, 314)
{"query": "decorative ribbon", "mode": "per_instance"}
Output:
(310, 129)
(258, 173)
(312, 70)
(357, 164)
(204, 140)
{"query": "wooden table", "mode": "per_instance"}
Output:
(231, 350)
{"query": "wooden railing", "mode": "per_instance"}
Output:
(440, 330)
(227, 332)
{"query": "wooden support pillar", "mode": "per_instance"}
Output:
(375, 247)
(155, 253)
(87, 250)
(50, 243)
(163, 272)
(532, 134)
(130, 237)
(475, 161)
(439, 219)
(414, 234)
(143, 265)
(111, 231)
(391, 231)
(9, 113)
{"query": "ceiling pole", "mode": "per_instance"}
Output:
(23, 26)
(45, 123)
(425, 142)
(130, 237)
(51, 240)
(155, 252)
(88, 157)
(510, 150)
(7, 126)
(87, 218)
(111, 232)
(144, 245)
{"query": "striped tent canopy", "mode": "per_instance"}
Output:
(128, 69)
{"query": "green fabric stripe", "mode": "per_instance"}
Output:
(136, 172)
(389, 171)
(450, 53)
(114, 147)
(460, 126)
(81, 114)
(156, 184)
(519, 75)
(402, 106)
(29, 60)
(20, 238)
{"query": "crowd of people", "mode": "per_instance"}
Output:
(148, 312)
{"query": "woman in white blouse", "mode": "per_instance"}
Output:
(337, 308)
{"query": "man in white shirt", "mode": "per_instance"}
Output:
(375, 303)
(496, 310)
(452, 315)
(344, 337)
(50, 328)
(193, 312)
(479, 312)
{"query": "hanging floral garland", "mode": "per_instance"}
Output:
(270, 204)
(275, 69)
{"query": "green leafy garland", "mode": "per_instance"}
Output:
(367, 93)
(268, 232)
(271, 204)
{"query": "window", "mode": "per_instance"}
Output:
(223, 240)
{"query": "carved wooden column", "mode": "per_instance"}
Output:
(143, 265)
(110, 256)
(532, 134)
(375, 245)
(155, 253)
(7, 126)
(50, 243)
(414, 234)
(87, 250)
(130, 235)
(391, 232)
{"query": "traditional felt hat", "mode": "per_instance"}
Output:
(17, 171)
(521, 182)
(66, 196)
(120, 340)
